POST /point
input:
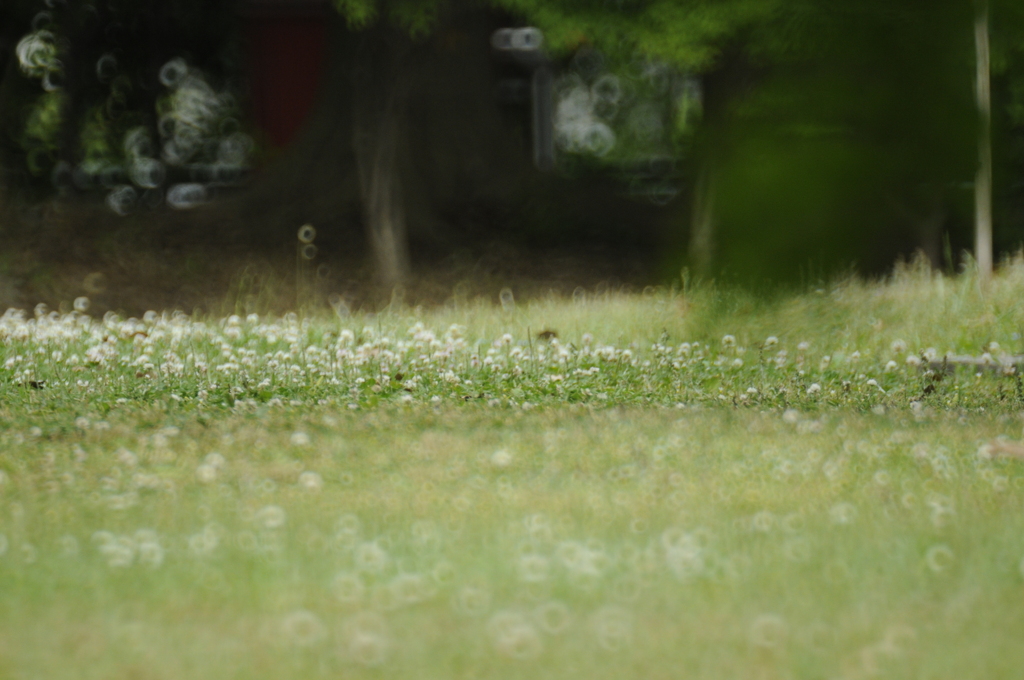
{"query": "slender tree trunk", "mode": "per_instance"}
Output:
(983, 180)
(702, 225)
(378, 111)
(8, 116)
(929, 231)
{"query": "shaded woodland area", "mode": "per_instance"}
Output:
(829, 137)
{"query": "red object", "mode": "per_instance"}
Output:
(286, 47)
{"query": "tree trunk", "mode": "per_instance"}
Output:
(929, 229)
(702, 225)
(983, 181)
(8, 117)
(378, 95)
(925, 211)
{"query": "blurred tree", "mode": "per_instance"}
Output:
(828, 123)
(1003, 123)
(825, 122)
(120, 95)
(1008, 127)
(983, 177)
(689, 36)
(855, 140)
(15, 19)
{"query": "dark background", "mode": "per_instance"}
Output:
(847, 160)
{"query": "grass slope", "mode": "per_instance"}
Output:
(675, 485)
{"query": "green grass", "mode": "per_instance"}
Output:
(390, 496)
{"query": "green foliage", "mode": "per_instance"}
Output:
(39, 136)
(358, 13)
(688, 34)
(417, 17)
(96, 138)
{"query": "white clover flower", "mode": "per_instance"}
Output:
(514, 636)
(206, 474)
(271, 517)
(986, 451)
(939, 558)
(119, 551)
(533, 568)
(553, 617)
(587, 339)
(803, 346)
(796, 549)
(371, 557)
(768, 631)
(814, 388)
(771, 341)
(913, 360)
(348, 587)
(303, 628)
(68, 545)
(728, 341)
(764, 521)
(122, 501)
(151, 553)
(684, 553)
(206, 541)
(501, 458)
(300, 439)
(311, 481)
(366, 639)
(410, 588)
(473, 600)
(215, 460)
(791, 416)
(898, 346)
(613, 628)
(843, 513)
(29, 554)
(126, 457)
(890, 366)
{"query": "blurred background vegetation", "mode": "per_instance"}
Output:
(751, 140)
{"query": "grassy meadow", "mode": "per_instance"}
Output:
(674, 484)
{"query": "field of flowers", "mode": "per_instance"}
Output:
(692, 483)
